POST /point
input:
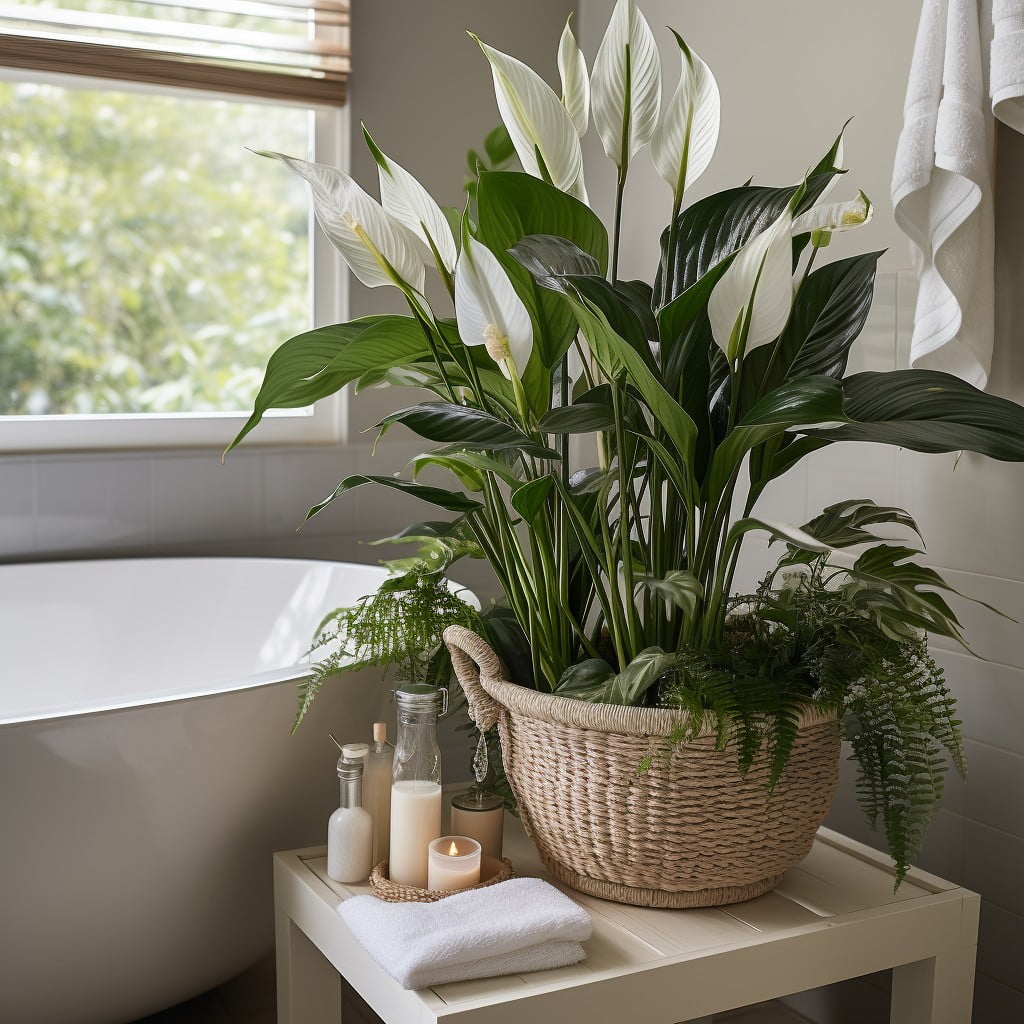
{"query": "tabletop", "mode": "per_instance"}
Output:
(835, 916)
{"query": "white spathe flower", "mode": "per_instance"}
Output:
(488, 310)
(826, 218)
(572, 70)
(624, 131)
(539, 126)
(409, 202)
(686, 137)
(358, 226)
(755, 294)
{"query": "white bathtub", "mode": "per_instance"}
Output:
(147, 772)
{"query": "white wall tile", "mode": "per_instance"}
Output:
(87, 503)
(852, 470)
(997, 637)
(966, 509)
(906, 301)
(296, 479)
(994, 866)
(17, 508)
(990, 698)
(993, 796)
(196, 497)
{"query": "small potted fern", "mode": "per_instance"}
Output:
(669, 742)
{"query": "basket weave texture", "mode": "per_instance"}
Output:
(692, 831)
(396, 892)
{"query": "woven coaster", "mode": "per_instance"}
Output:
(395, 892)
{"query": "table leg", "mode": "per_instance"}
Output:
(308, 986)
(936, 991)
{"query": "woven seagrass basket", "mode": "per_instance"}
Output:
(693, 831)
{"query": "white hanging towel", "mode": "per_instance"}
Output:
(942, 191)
(1008, 62)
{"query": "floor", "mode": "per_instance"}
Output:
(249, 999)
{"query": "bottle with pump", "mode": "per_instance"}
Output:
(416, 790)
(350, 829)
(377, 781)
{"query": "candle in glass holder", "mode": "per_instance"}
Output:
(453, 862)
(481, 816)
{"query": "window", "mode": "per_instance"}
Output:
(149, 262)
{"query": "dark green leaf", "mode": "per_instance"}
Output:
(528, 499)
(844, 524)
(451, 500)
(466, 426)
(578, 418)
(588, 681)
(929, 411)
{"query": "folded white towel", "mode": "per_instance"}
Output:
(514, 927)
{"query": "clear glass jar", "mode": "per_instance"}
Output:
(416, 786)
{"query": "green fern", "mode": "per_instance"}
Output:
(398, 627)
(808, 644)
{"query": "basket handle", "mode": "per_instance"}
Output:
(475, 665)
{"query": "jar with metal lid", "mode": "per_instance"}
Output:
(416, 786)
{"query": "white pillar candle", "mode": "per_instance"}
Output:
(415, 822)
(454, 863)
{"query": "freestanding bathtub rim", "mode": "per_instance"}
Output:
(286, 673)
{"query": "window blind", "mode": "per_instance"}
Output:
(280, 49)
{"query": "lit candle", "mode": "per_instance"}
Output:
(453, 863)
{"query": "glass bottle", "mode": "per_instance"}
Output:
(350, 829)
(416, 785)
(377, 781)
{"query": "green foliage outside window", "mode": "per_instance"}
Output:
(147, 261)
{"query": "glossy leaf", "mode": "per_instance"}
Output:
(529, 498)
(928, 411)
(466, 426)
(845, 523)
(578, 418)
(453, 501)
(466, 465)
(321, 362)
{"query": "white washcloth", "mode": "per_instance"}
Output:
(1007, 76)
(513, 927)
(942, 189)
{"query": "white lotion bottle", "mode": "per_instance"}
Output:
(377, 790)
(350, 829)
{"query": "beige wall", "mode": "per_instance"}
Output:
(790, 71)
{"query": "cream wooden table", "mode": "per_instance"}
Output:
(834, 917)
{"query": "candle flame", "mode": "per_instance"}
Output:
(453, 850)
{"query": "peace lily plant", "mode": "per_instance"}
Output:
(693, 393)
